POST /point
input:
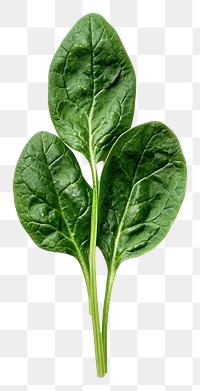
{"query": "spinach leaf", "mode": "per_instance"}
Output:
(143, 182)
(141, 190)
(91, 88)
(142, 187)
(52, 199)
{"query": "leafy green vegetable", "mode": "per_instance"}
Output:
(91, 102)
(142, 186)
(52, 198)
(91, 88)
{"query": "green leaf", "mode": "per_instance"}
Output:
(52, 199)
(141, 190)
(91, 88)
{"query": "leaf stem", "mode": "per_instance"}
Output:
(109, 285)
(99, 353)
(86, 276)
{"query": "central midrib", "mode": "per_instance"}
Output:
(91, 152)
(127, 205)
(81, 259)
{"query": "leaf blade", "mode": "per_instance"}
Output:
(91, 87)
(141, 190)
(52, 199)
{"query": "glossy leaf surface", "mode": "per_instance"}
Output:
(52, 199)
(141, 190)
(91, 88)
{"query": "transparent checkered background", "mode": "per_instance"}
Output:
(46, 342)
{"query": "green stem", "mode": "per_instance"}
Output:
(87, 281)
(109, 285)
(89, 303)
(99, 353)
(87, 278)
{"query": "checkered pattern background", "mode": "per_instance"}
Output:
(46, 342)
